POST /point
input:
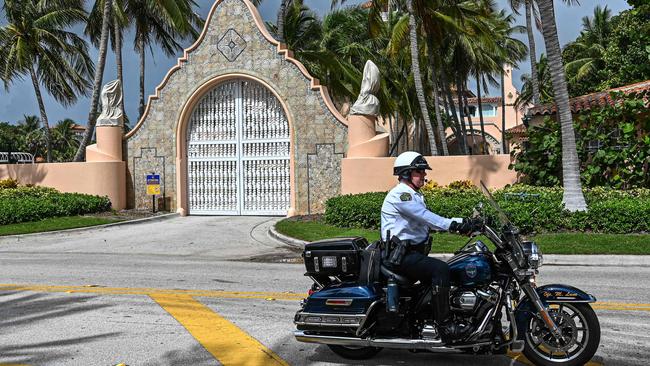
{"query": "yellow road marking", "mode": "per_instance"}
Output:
(519, 357)
(147, 291)
(264, 295)
(225, 341)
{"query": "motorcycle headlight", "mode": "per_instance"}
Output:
(533, 254)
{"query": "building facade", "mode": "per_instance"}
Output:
(237, 127)
(492, 108)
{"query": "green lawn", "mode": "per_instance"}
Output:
(560, 243)
(52, 224)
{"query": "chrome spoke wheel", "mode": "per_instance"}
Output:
(574, 329)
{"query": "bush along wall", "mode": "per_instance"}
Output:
(613, 145)
(530, 208)
(23, 204)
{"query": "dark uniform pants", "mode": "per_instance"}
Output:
(430, 272)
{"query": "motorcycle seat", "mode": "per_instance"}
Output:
(401, 280)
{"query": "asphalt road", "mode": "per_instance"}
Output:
(218, 290)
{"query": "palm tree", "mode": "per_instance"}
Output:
(33, 135)
(591, 45)
(532, 15)
(99, 73)
(117, 23)
(35, 42)
(573, 197)
(162, 22)
(65, 141)
(417, 76)
(544, 82)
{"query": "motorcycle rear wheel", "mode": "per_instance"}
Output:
(354, 353)
(581, 336)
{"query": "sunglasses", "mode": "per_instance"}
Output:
(420, 171)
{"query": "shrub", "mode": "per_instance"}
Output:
(25, 204)
(530, 208)
(8, 183)
(612, 142)
(461, 184)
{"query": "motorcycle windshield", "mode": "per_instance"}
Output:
(500, 214)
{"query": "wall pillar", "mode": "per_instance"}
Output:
(108, 146)
(363, 140)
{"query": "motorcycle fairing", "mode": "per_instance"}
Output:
(549, 294)
(361, 296)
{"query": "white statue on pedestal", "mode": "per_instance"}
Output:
(367, 103)
(112, 114)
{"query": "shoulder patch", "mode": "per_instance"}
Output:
(405, 196)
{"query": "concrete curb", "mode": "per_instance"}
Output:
(297, 243)
(120, 223)
(600, 260)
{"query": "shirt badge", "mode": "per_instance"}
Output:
(405, 196)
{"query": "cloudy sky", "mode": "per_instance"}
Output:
(20, 99)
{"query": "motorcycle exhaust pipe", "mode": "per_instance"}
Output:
(402, 343)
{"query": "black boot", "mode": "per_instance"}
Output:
(450, 331)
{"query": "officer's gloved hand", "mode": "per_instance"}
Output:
(468, 226)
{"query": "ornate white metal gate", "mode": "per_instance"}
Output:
(238, 152)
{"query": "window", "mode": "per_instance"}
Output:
(489, 110)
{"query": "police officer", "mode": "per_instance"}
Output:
(405, 216)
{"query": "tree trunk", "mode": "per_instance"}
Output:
(391, 135)
(436, 98)
(417, 77)
(469, 120)
(117, 34)
(280, 22)
(142, 66)
(454, 116)
(533, 55)
(504, 148)
(97, 85)
(573, 198)
(41, 107)
(484, 145)
(461, 110)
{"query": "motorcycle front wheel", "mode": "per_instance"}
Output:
(354, 353)
(580, 336)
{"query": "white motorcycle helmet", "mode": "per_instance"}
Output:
(407, 161)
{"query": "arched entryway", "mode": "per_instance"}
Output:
(238, 152)
(476, 143)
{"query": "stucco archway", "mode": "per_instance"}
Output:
(181, 141)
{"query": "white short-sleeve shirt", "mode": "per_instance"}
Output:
(405, 214)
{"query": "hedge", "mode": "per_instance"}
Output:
(23, 204)
(530, 208)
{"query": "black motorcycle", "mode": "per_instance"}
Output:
(358, 305)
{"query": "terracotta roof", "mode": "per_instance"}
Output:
(77, 127)
(484, 100)
(517, 130)
(586, 102)
(367, 5)
(489, 100)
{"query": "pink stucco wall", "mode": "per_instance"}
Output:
(100, 178)
(359, 175)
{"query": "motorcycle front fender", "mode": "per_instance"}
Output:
(549, 294)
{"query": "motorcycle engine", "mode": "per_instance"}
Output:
(464, 301)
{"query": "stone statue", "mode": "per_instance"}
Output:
(112, 114)
(367, 103)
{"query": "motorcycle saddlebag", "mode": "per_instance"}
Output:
(334, 257)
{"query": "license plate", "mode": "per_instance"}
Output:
(329, 261)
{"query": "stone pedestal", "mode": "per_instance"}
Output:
(108, 146)
(363, 140)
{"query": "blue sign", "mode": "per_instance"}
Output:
(153, 179)
(153, 184)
